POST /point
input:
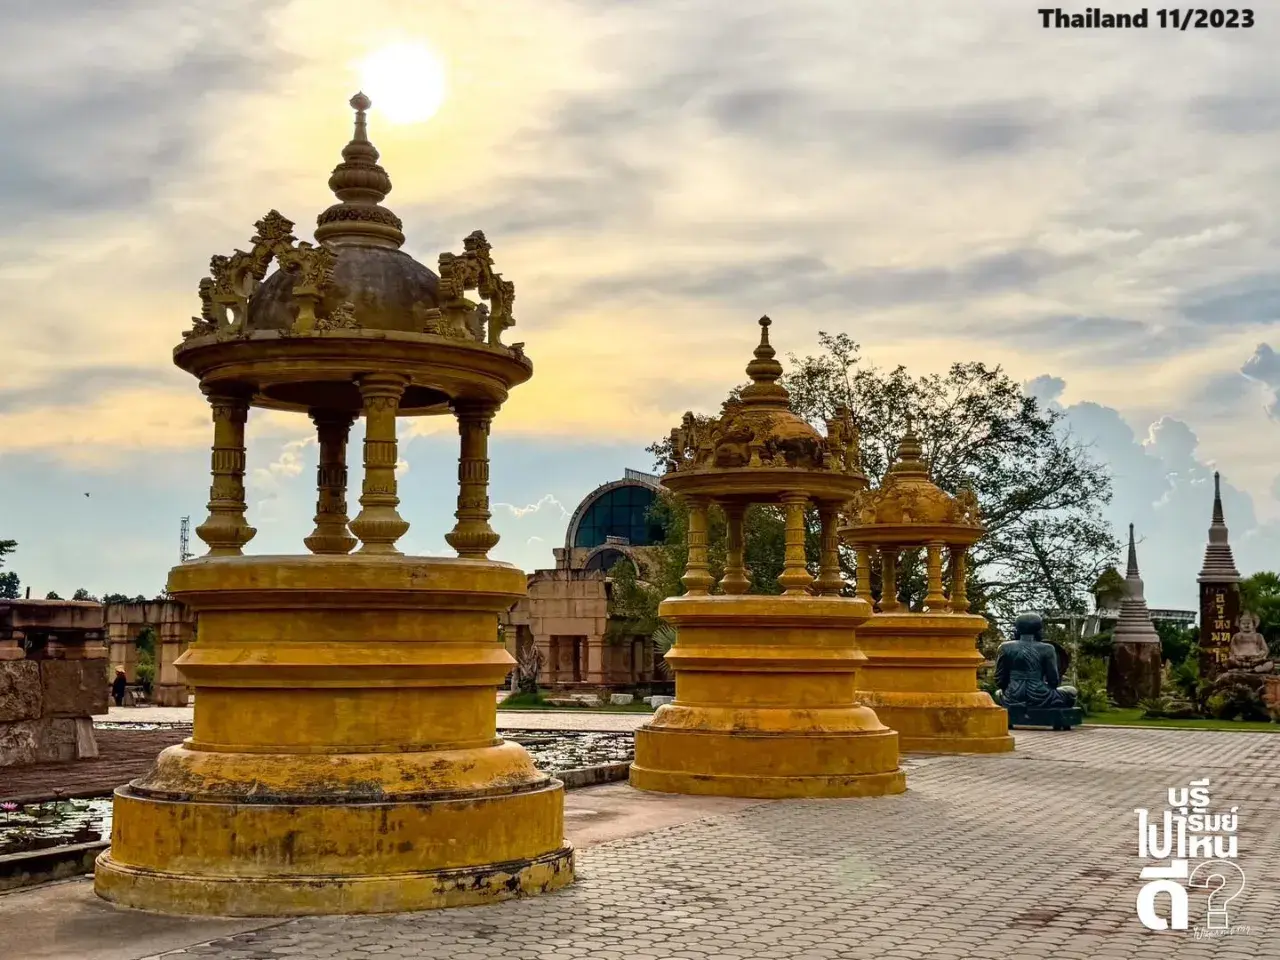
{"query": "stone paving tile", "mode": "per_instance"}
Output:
(1024, 855)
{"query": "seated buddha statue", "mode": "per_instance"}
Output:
(1027, 668)
(1248, 650)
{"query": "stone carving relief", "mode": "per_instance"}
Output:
(473, 270)
(232, 280)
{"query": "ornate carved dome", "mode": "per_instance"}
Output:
(908, 506)
(759, 434)
(353, 302)
(385, 287)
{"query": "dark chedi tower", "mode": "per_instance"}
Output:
(1134, 671)
(1219, 592)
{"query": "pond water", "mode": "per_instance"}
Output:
(40, 826)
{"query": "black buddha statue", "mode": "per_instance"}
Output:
(1027, 668)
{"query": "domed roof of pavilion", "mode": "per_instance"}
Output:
(758, 444)
(385, 286)
(299, 337)
(908, 507)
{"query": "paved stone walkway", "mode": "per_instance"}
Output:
(1029, 856)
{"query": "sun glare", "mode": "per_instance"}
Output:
(405, 81)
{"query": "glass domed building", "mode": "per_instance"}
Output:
(566, 614)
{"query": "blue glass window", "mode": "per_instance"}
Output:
(622, 512)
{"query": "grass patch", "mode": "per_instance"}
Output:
(1132, 717)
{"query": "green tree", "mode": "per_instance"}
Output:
(10, 585)
(1176, 641)
(52, 595)
(1108, 590)
(1040, 491)
(146, 640)
(83, 594)
(1260, 595)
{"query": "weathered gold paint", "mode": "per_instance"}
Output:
(344, 756)
(765, 701)
(919, 674)
(919, 670)
(338, 750)
(765, 704)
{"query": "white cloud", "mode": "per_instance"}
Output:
(547, 502)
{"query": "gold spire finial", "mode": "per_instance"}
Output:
(910, 455)
(360, 185)
(764, 371)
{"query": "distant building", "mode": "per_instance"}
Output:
(566, 612)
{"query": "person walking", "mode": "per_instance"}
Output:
(118, 685)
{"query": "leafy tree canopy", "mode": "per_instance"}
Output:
(10, 586)
(1260, 595)
(1040, 491)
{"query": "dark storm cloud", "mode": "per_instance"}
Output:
(1250, 300)
(811, 281)
(104, 133)
(952, 133)
(85, 385)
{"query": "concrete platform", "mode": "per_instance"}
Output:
(1024, 856)
(65, 921)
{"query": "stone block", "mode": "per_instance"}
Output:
(59, 740)
(620, 699)
(657, 701)
(20, 692)
(86, 740)
(74, 688)
(20, 742)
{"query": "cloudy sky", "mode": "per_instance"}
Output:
(1098, 212)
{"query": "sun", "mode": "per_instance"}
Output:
(406, 82)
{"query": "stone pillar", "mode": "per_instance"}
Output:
(959, 580)
(594, 667)
(697, 575)
(862, 572)
(379, 525)
(735, 580)
(829, 582)
(175, 632)
(889, 579)
(935, 600)
(331, 534)
(226, 530)
(795, 578)
(472, 536)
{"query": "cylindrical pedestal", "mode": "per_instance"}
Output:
(765, 705)
(920, 676)
(344, 757)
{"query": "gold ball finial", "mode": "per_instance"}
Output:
(764, 371)
(360, 185)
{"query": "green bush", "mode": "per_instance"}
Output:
(1238, 701)
(145, 671)
(1091, 684)
(1155, 708)
(524, 699)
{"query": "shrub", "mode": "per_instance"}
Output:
(1238, 701)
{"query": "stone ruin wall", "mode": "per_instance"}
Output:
(53, 680)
